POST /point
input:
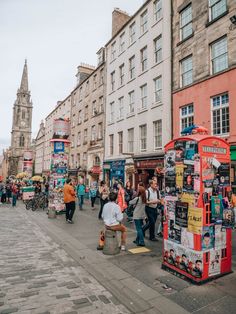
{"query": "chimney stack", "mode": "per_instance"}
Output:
(119, 18)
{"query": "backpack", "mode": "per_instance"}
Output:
(159, 206)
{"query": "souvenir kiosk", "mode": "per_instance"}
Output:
(198, 217)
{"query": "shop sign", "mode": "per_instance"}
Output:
(59, 147)
(214, 150)
(149, 164)
(106, 166)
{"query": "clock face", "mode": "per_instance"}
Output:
(23, 123)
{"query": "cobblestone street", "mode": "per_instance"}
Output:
(38, 276)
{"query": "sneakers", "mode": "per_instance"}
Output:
(154, 240)
(122, 248)
(69, 221)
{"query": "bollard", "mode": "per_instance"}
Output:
(51, 212)
(111, 246)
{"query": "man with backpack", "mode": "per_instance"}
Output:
(153, 199)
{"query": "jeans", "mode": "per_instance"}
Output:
(102, 203)
(93, 199)
(139, 225)
(70, 208)
(81, 201)
(14, 198)
(152, 218)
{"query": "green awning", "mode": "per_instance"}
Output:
(233, 152)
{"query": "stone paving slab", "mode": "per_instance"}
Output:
(38, 276)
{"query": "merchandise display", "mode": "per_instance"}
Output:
(198, 213)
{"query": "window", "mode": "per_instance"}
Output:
(112, 113)
(143, 96)
(131, 140)
(23, 114)
(87, 88)
(186, 116)
(80, 93)
(93, 133)
(80, 117)
(157, 9)
(85, 136)
(131, 102)
(86, 113)
(121, 108)
(94, 108)
(113, 81)
(122, 42)
(132, 67)
(120, 143)
(100, 131)
(186, 71)
(143, 53)
(219, 55)
(22, 141)
(84, 157)
(79, 139)
(113, 51)
(78, 159)
(157, 131)
(72, 161)
(111, 143)
(132, 33)
(143, 137)
(220, 114)
(122, 74)
(143, 22)
(101, 76)
(216, 8)
(95, 81)
(158, 89)
(157, 49)
(186, 23)
(72, 140)
(100, 109)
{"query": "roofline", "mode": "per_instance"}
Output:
(131, 17)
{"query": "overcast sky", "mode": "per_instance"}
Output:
(55, 36)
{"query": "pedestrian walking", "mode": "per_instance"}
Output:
(139, 204)
(121, 197)
(69, 200)
(93, 193)
(4, 194)
(80, 191)
(112, 217)
(104, 193)
(153, 199)
(8, 192)
(14, 194)
(129, 195)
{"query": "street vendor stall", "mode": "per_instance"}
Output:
(198, 216)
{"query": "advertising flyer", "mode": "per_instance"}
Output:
(224, 173)
(195, 220)
(187, 238)
(208, 238)
(215, 262)
(174, 231)
(220, 237)
(181, 214)
(179, 175)
(188, 178)
(188, 198)
(216, 208)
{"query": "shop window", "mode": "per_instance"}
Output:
(220, 114)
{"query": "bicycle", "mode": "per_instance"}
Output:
(39, 201)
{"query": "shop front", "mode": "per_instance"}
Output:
(233, 167)
(147, 168)
(114, 170)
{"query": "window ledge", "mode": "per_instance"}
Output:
(143, 34)
(112, 92)
(130, 45)
(131, 80)
(121, 86)
(141, 110)
(157, 148)
(121, 53)
(157, 21)
(143, 72)
(157, 104)
(217, 18)
(110, 123)
(120, 119)
(113, 60)
(131, 114)
(185, 39)
(157, 63)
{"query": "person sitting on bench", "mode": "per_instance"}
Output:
(112, 217)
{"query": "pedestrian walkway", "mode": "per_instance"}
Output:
(38, 276)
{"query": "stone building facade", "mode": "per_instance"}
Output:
(87, 123)
(138, 95)
(39, 149)
(204, 68)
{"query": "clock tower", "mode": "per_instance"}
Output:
(21, 125)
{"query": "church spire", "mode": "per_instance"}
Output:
(24, 79)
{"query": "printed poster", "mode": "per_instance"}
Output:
(215, 262)
(224, 173)
(188, 178)
(195, 220)
(196, 184)
(170, 161)
(220, 237)
(208, 238)
(216, 208)
(174, 231)
(208, 172)
(179, 169)
(170, 206)
(197, 164)
(188, 198)
(181, 214)
(228, 218)
(190, 150)
(187, 238)
(195, 265)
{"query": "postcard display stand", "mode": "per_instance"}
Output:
(198, 217)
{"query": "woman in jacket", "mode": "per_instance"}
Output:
(139, 214)
(103, 193)
(121, 197)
